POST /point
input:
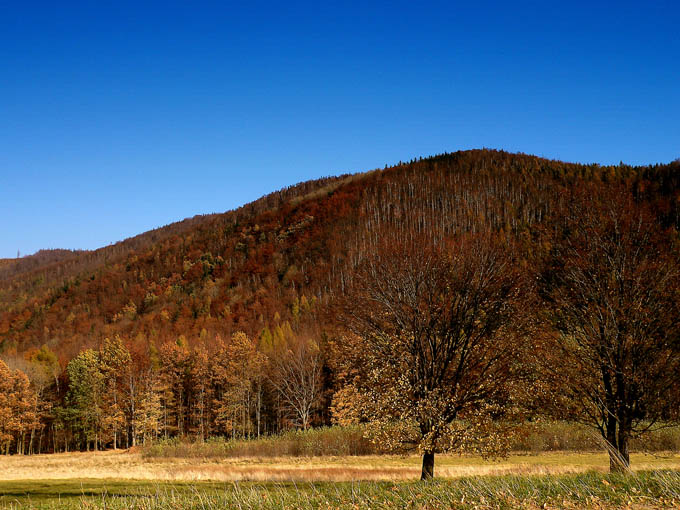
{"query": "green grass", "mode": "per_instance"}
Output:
(590, 490)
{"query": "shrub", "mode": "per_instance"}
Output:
(324, 441)
(534, 437)
(565, 436)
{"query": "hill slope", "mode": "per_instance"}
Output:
(250, 269)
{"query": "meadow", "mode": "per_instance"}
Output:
(554, 465)
(649, 490)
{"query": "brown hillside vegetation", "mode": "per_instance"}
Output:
(235, 271)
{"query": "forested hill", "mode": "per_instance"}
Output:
(272, 265)
(14, 267)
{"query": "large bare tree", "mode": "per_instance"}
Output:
(435, 330)
(614, 290)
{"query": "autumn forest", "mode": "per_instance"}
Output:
(440, 302)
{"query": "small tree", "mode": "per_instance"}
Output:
(175, 366)
(436, 328)
(86, 394)
(24, 408)
(114, 360)
(148, 413)
(615, 295)
(7, 418)
(13, 397)
(296, 376)
(237, 368)
(202, 391)
(43, 370)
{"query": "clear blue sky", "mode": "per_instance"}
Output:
(118, 117)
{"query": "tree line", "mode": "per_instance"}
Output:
(114, 398)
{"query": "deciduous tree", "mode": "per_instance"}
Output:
(614, 288)
(296, 376)
(237, 371)
(436, 328)
(114, 360)
(85, 397)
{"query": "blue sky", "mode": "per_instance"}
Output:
(117, 117)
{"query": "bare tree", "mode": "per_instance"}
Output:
(436, 341)
(615, 304)
(296, 376)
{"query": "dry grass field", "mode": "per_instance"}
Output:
(132, 465)
(130, 480)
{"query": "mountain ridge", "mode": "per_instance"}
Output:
(245, 269)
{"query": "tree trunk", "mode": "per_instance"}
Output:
(617, 447)
(618, 461)
(611, 444)
(623, 450)
(259, 406)
(428, 466)
(132, 414)
(622, 456)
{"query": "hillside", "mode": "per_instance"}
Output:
(11, 268)
(248, 269)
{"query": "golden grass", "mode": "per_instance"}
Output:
(129, 465)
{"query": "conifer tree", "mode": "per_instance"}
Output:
(85, 399)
